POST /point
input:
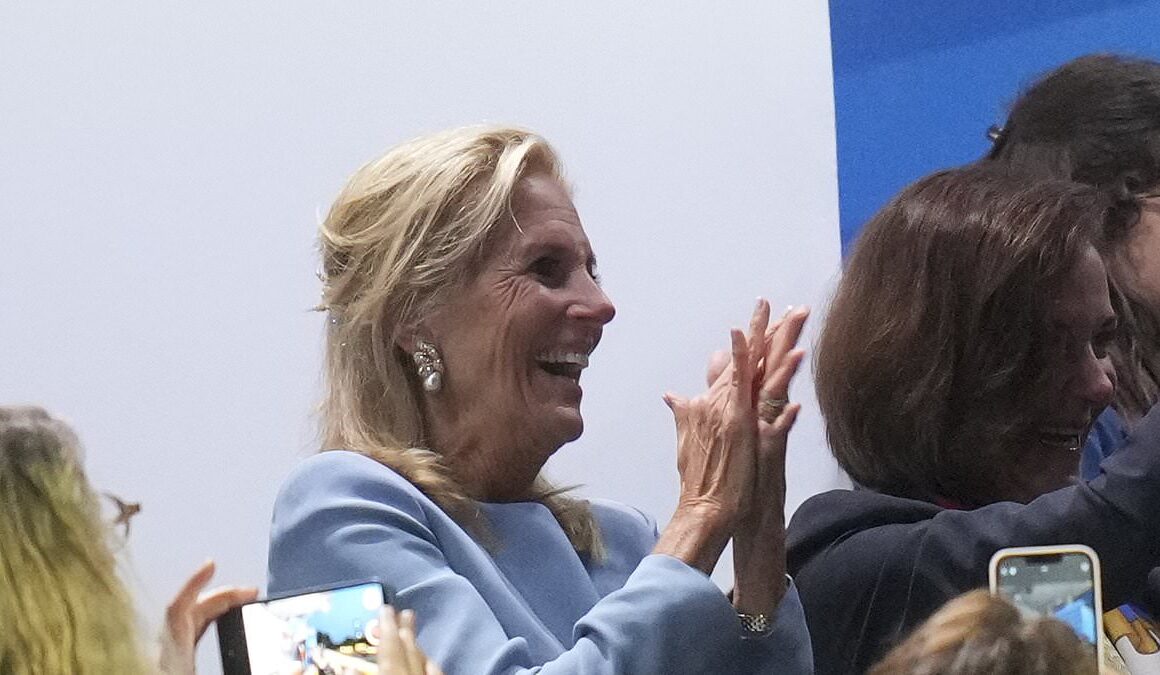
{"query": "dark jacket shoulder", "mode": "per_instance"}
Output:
(865, 581)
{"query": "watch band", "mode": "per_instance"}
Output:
(755, 625)
(758, 625)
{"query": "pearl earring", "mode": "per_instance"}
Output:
(430, 365)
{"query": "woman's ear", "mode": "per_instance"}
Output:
(411, 334)
(407, 341)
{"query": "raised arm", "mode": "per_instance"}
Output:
(759, 564)
(1115, 514)
(906, 559)
(732, 440)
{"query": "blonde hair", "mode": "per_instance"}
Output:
(63, 608)
(409, 228)
(980, 633)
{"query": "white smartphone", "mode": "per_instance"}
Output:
(1058, 581)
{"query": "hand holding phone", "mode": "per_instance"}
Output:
(399, 654)
(190, 613)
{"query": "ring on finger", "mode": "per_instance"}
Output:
(770, 408)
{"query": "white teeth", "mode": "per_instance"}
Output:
(573, 358)
(1060, 437)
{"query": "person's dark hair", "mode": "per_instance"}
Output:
(1096, 120)
(937, 332)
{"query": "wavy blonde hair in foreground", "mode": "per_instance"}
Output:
(980, 633)
(409, 229)
(63, 609)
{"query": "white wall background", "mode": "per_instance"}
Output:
(163, 167)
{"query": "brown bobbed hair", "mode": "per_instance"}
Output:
(980, 633)
(936, 335)
(1096, 120)
(409, 229)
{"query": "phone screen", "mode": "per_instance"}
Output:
(1057, 584)
(327, 631)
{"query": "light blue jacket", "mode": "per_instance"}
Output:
(536, 606)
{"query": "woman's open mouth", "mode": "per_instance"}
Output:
(563, 364)
(1063, 438)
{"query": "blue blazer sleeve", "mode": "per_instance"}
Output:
(342, 516)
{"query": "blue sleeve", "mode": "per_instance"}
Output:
(347, 522)
(1108, 434)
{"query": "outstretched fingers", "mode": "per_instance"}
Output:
(775, 414)
(758, 325)
(722, 364)
(741, 375)
(187, 596)
(781, 359)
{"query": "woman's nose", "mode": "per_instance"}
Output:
(1097, 381)
(593, 304)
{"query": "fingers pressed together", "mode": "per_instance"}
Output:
(399, 653)
(768, 353)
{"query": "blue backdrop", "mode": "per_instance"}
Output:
(918, 82)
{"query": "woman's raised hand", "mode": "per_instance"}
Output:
(759, 541)
(717, 451)
(778, 361)
(775, 413)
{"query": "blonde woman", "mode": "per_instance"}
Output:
(979, 633)
(63, 609)
(463, 305)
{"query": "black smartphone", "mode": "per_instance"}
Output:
(320, 631)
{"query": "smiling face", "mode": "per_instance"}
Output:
(514, 343)
(1079, 384)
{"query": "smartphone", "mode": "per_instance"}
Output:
(322, 630)
(1058, 581)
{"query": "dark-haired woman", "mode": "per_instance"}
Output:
(1096, 120)
(963, 360)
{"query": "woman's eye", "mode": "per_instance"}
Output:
(1101, 343)
(548, 269)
